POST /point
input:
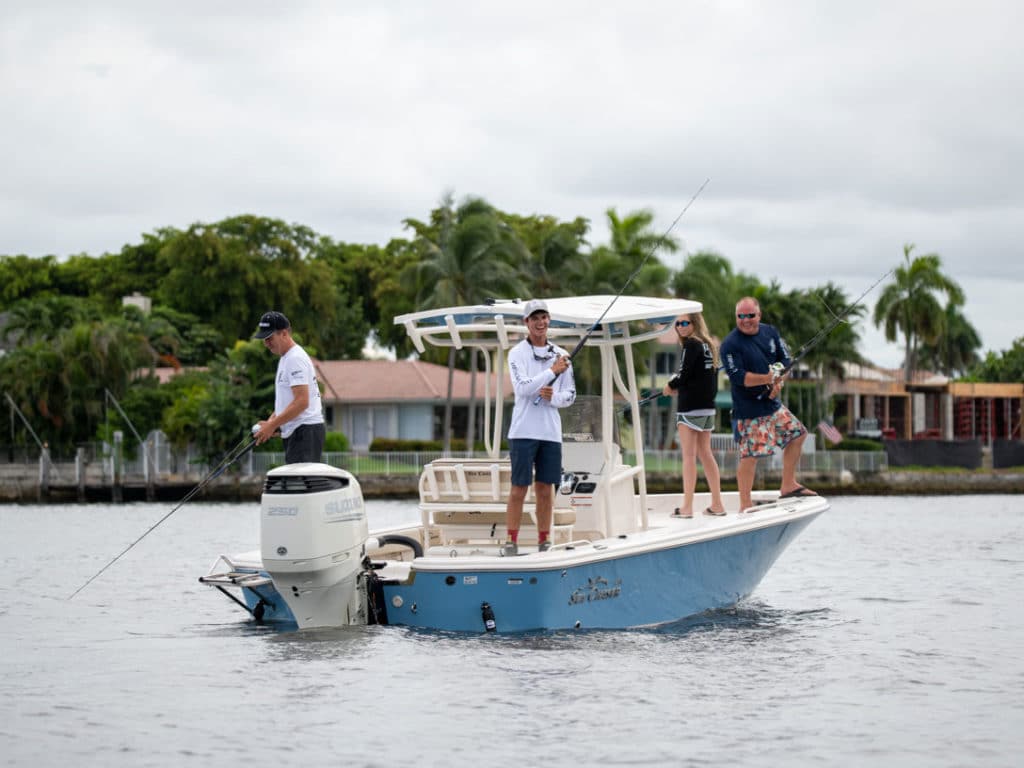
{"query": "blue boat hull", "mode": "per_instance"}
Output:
(638, 590)
(643, 589)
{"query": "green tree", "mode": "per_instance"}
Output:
(910, 305)
(956, 349)
(60, 385)
(213, 409)
(24, 277)
(230, 272)
(137, 268)
(556, 262)
(183, 336)
(390, 298)
(467, 254)
(707, 277)
(45, 317)
(354, 269)
(632, 243)
(1005, 366)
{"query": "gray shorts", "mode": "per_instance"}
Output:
(700, 423)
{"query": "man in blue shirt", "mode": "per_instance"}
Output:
(761, 423)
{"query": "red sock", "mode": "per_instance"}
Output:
(542, 536)
(513, 536)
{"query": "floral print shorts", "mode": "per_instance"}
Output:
(761, 435)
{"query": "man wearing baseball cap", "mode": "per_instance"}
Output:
(542, 381)
(298, 414)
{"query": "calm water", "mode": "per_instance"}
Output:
(890, 633)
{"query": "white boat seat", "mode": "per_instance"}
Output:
(464, 500)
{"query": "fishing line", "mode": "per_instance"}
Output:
(820, 335)
(802, 352)
(583, 340)
(230, 458)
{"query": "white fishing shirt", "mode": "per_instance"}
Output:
(293, 369)
(529, 374)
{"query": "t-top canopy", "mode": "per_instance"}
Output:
(570, 316)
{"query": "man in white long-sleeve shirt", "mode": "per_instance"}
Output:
(542, 381)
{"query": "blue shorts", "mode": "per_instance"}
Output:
(526, 454)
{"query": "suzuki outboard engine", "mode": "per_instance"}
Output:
(312, 531)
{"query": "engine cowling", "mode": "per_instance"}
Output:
(312, 531)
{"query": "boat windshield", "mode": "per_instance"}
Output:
(581, 421)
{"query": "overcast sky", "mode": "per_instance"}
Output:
(832, 132)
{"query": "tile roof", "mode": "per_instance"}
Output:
(389, 380)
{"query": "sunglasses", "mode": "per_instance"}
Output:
(746, 315)
(548, 356)
(682, 323)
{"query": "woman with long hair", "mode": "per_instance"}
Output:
(696, 383)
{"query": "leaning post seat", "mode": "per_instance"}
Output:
(464, 501)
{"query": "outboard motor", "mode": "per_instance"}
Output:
(312, 531)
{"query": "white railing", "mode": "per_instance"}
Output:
(410, 463)
(818, 462)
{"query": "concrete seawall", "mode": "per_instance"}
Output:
(22, 484)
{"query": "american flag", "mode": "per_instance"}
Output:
(831, 434)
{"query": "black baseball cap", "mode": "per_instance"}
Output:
(269, 323)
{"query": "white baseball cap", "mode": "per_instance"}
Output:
(534, 305)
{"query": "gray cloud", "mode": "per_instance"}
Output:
(832, 133)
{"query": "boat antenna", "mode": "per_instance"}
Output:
(660, 240)
(243, 447)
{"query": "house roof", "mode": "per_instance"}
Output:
(347, 381)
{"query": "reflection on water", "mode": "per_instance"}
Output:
(881, 610)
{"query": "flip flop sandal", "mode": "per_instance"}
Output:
(798, 492)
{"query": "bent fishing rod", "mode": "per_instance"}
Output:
(780, 371)
(243, 447)
(821, 335)
(597, 323)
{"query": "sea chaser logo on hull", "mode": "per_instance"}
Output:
(344, 510)
(596, 589)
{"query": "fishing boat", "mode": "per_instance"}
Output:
(619, 558)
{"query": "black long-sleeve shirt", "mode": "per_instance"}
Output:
(696, 382)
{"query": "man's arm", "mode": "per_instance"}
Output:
(270, 427)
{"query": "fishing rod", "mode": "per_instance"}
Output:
(779, 370)
(243, 447)
(583, 340)
(644, 401)
(824, 332)
(820, 336)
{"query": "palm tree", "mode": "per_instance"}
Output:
(707, 277)
(46, 317)
(635, 243)
(910, 306)
(956, 349)
(467, 255)
(556, 262)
